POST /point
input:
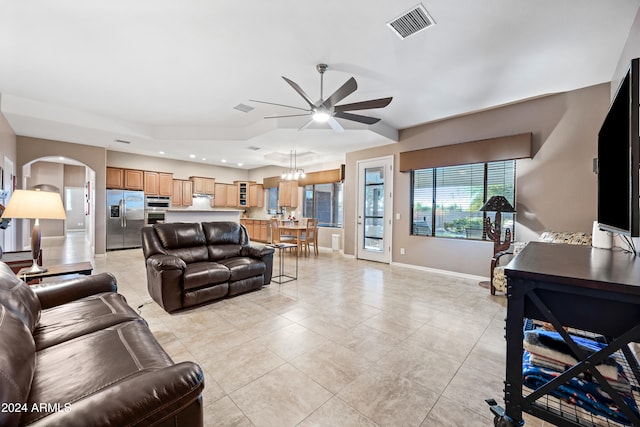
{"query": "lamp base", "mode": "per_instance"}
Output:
(35, 268)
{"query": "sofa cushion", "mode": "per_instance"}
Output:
(80, 317)
(224, 239)
(82, 368)
(201, 274)
(17, 365)
(243, 267)
(184, 240)
(18, 297)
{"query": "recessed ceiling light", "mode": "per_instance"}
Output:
(193, 156)
(161, 152)
(204, 158)
(224, 160)
(239, 164)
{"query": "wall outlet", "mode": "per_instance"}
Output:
(401, 251)
(397, 216)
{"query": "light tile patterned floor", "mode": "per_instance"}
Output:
(351, 343)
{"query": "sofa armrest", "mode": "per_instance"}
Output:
(154, 397)
(166, 262)
(256, 251)
(55, 294)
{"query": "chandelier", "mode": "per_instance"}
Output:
(293, 174)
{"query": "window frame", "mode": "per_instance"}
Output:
(432, 231)
(336, 187)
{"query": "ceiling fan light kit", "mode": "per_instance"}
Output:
(326, 111)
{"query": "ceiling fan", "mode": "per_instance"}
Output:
(326, 110)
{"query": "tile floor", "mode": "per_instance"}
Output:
(351, 343)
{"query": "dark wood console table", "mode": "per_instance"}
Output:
(83, 267)
(577, 287)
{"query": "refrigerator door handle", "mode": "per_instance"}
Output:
(123, 222)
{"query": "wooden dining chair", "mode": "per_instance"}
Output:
(310, 237)
(276, 233)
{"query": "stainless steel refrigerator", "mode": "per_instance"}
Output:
(125, 218)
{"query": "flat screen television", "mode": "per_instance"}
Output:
(619, 159)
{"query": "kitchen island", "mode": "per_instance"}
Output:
(202, 215)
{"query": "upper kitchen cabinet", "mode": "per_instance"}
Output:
(256, 195)
(127, 179)
(226, 195)
(158, 183)
(133, 179)
(203, 185)
(115, 178)
(182, 193)
(288, 194)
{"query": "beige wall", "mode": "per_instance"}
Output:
(31, 149)
(556, 189)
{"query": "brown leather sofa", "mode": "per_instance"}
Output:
(192, 263)
(75, 354)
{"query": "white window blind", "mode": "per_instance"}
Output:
(446, 201)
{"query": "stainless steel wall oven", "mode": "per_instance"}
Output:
(155, 208)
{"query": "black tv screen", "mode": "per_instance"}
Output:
(619, 160)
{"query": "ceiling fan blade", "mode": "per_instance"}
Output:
(289, 115)
(364, 105)
(345, 90)
(306, 125)
(335, 125)
(356, 117)
(280, 105)
(298, 89)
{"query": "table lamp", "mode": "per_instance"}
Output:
(493, 230)
(35, 204)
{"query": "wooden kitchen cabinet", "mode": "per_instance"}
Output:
(182, 193)
(150, 183)
(263, 235)
(243, 194)
(158, 183)
(125, 179)
(288, 194)
(115, 178)
(226, 195)
(256, 196)
(257, 229)
(232, 195)
(203, 185)
(133, 179)
(220, 197)
(165, 184)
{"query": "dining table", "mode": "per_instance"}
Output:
(295, 229)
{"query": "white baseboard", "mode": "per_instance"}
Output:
(439, 271)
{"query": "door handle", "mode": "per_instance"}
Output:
(122, 214)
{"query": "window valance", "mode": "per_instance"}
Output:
(486, 150)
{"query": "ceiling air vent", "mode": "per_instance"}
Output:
(253, 148)
(411, 22)
(243, 107)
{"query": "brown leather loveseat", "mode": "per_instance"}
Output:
(193, 263)
(75, 354)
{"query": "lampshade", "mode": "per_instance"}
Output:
(497, 204)
(33, 204)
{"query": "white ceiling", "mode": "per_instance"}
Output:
(165, 74)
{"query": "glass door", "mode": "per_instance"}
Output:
(375, 179)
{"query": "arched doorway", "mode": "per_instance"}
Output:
(76, 180)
